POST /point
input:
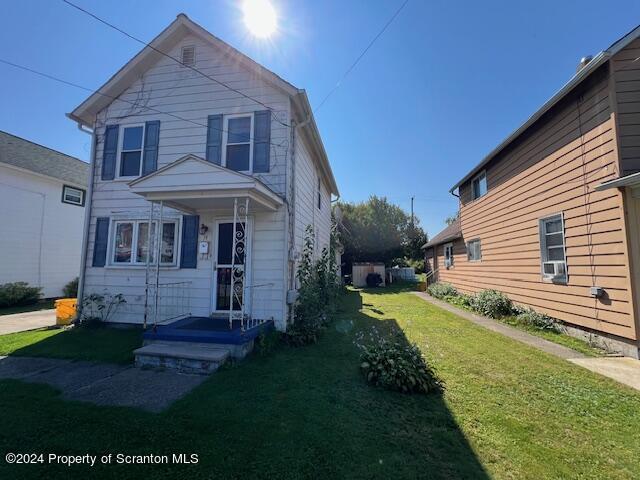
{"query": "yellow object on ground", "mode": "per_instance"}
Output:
(65, 311)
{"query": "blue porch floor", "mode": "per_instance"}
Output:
(206, 330)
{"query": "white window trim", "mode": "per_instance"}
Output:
(120, 150)
(543, 250)
(448, 260)
(71, 202)
(469, 259)
(482, 173)
(134, 243)
(225, 135)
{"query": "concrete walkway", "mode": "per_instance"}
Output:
(19, 322)
(102, 383)
(623, 370)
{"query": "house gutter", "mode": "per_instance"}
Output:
(597, 61)
(87, 218)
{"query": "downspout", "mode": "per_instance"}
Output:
(291, 203)
(87, 218)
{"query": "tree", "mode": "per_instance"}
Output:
(379, 231)
(452, 218)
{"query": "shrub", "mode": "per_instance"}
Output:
(492, 303)
(18, 293)
(318, 292)
(70, 290)
(442, 290)
(540, 321)
(97, 308)
(393, 364)
(373, 280)
(460, 300)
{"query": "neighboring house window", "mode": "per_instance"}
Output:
(238, 144)
(554, 265)
(131, 150)
(448, 255)
(319, 195)
(474, 253)
(74, 196)
(479, 185)
(130, 242)
(189, 55)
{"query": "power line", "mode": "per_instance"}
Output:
(135, 104)
(364, 52)
(127, 34)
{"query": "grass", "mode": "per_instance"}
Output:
(34, 307)
(508, 411)
(560, 338)
(93, 344)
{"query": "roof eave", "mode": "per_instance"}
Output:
(580, 76)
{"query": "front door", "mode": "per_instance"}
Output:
(224, 271)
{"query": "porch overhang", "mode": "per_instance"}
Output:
(191, 184)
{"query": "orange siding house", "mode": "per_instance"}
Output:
(551, 217)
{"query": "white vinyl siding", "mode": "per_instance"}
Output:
(170, 87)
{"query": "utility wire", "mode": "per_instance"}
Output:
(127, 34)
(364, 52)
(135, 104)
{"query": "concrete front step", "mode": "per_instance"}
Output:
(182, 356)
(237, 351)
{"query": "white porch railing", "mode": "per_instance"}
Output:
(173, 302)
(259, 298)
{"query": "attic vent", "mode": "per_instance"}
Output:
(189, 55)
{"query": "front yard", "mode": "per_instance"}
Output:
(508, 411)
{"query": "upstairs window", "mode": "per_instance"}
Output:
(73, 196)
(448, 255)
(188, 55)
(319, 195)
(238, 150)
(474, 253)
(552, 253)
(479, 186)
(131, 150)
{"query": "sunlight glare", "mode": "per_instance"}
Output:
(260, 17)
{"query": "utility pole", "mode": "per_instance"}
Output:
(412, 211)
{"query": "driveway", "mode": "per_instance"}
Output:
(19, 322)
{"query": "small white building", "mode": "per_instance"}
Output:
(194, 153)
(42, 198)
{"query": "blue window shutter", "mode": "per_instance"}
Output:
(261, 141)
(214, 139)
(151, 140)
(109, 152)
(189, 246)
(100, 242)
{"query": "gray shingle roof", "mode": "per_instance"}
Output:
(22, 153)
(452, 232)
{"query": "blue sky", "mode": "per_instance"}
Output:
(444, 85)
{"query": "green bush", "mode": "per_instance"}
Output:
(70, 290)
(492, 303)
(267, 342)
(18, 293)
(442, 290)
(393, 364)
(537, 320)
(460, 300)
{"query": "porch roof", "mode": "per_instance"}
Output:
(191, 183)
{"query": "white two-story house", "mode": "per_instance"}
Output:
(191, 135)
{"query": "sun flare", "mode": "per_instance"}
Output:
(260, 17)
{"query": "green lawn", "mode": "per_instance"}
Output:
(508, 411)
(94, 344)
(34, 307)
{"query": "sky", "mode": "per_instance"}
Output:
(445, 84)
